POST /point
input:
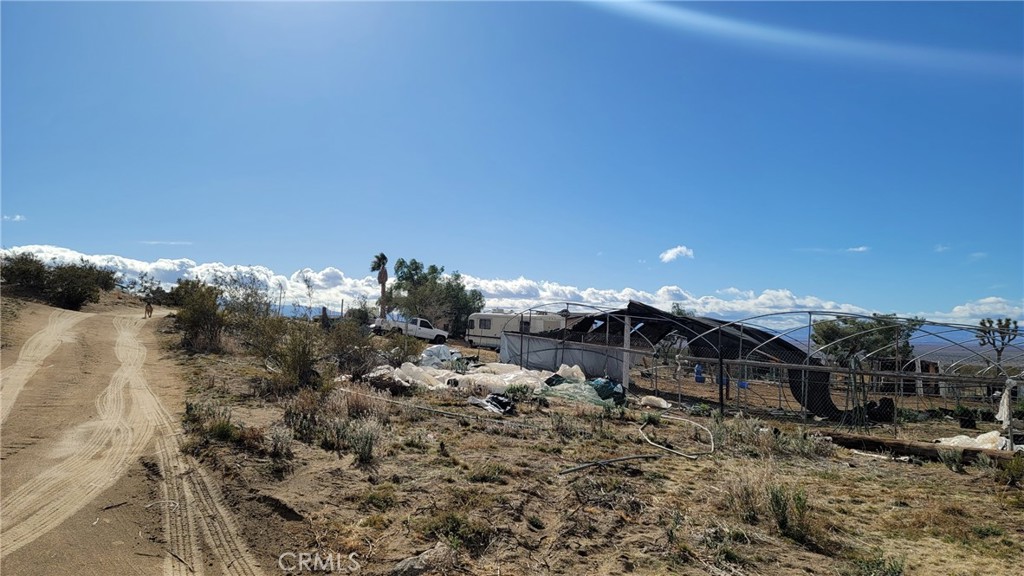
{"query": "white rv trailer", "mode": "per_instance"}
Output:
(485, 328)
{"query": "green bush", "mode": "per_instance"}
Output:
(67, 286)
(953, 459)
(459, 532)
(298, 352)
(199, 316)
(1012, 472)
(351, 346)
(24, 274)
(400, 348)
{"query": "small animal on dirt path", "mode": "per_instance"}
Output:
(149, 310)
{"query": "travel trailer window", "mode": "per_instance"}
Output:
(472, 323)
(524, 326)
(485, 323)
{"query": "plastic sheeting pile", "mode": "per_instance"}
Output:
(496, 378)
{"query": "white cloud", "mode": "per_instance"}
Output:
(858, 249)
(15, 218)
(166, 242)
(978, 255)
(971, 312)
(941, 247)
(331, 287)
(673, 253)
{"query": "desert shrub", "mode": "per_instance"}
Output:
(791, 511)
(72, 285)
(380, 498)
(209, 421)
(953, 459)
(263, 334)
(364, 403)
(876, 564)
(651, 418)
(778, 504)
(297, 354)
(199, 317)
(244, 298)
(744, 497)
(334, 434)
(351, 346)
(399, 348)
(459, 531)
(1012, 472)
(752, 436)
(252, 438)
(364, 438)
(302, 415)
(24, 274)
(985, 463)
(518, 392)
(281, 443)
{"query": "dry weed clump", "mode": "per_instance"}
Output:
(337, 421)
(489, 472)
(753, 437)
(252, 439)
(209, 421)
(753, 496)
(365, 402)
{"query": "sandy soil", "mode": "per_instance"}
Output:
(91, 476)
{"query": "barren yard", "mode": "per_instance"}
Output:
(123, 454)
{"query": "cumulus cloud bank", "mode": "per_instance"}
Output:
(331, 287)
(673, 253)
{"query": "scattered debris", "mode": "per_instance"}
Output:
(497, 403)
(435, 356)
(655, 402)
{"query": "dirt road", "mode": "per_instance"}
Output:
(91, 477)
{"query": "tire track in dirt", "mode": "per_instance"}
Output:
(185, 482)
(129, 415)
(34, 351)
(114, 440)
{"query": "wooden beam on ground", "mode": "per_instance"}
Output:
(928, 450)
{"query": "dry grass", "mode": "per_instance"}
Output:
(774, 498)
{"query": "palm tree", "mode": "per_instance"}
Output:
(380, 266)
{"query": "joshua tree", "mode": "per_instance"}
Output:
(380, 266)
(997, 334)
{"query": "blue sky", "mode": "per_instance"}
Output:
(860, 155)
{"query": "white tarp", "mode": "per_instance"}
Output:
(435, 355)
(1004, 414)
(989, 440)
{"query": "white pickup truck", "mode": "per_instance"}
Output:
(418, 327)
